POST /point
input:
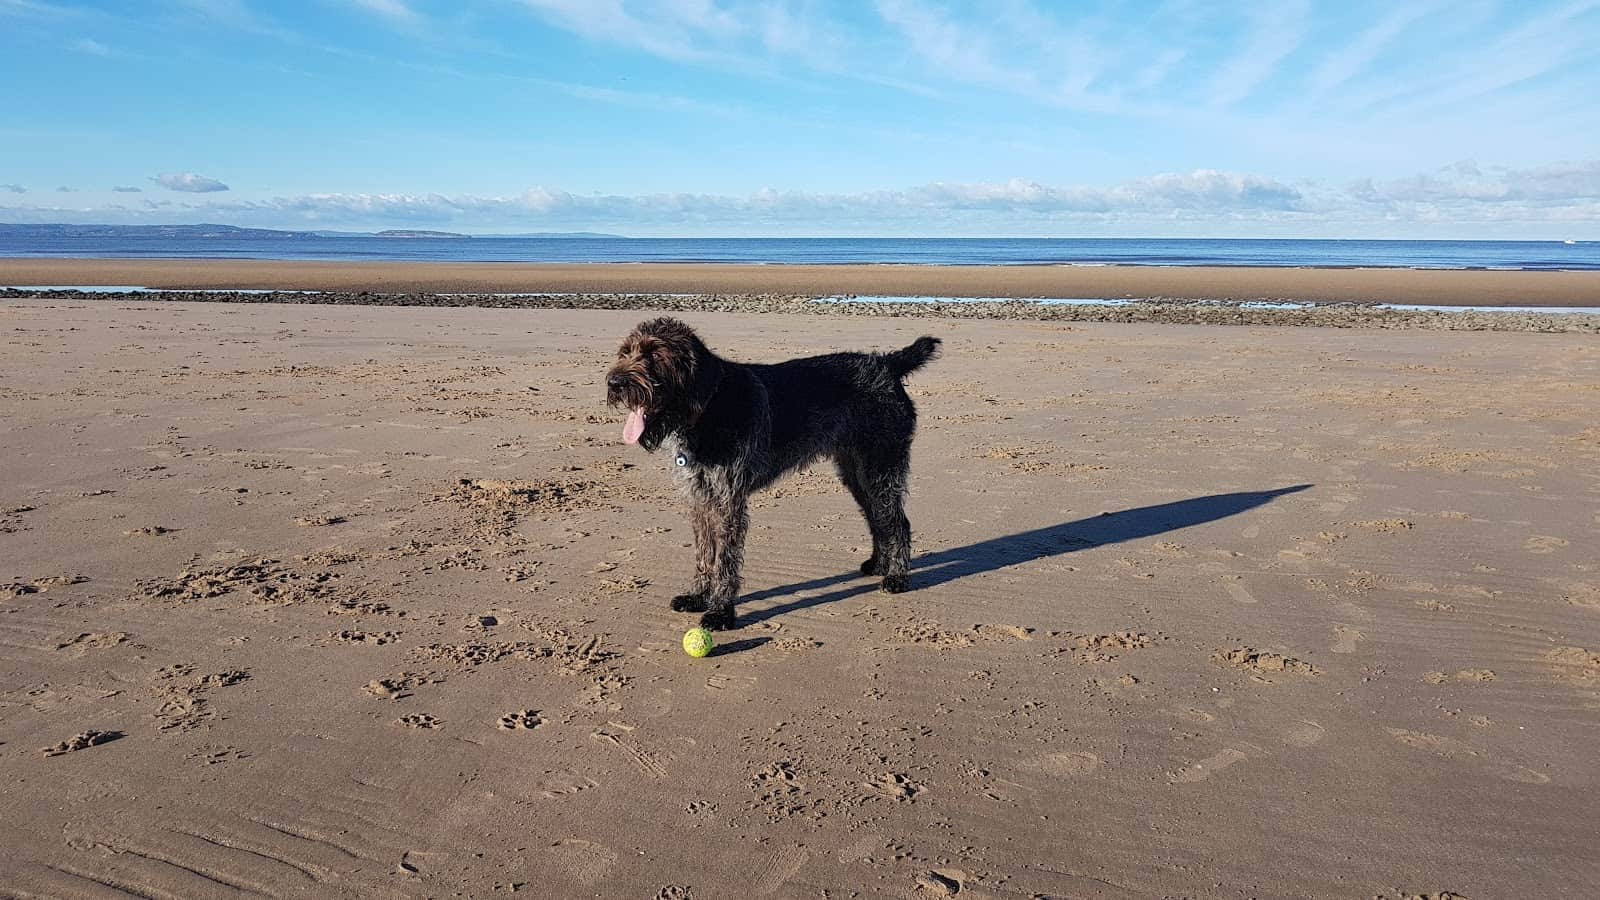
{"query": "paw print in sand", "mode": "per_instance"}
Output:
(526, 719)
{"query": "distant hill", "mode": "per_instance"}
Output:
(414, 233)
(234, 231)
(171, 231)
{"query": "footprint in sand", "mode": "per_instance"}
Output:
(419, 720)
(1452, 749)
(1304, 734)
(1205, 768)
(1544, 543)
(730, 682)
(1345, 639)
(585, 861)
(375, 638)
(82, 742)
(1238, 592)
(527, 719)
(895, 786)
(861, 848)
(564, 784)
(89, 641)
(1465, 675)
(1336, 503)
(1251, 532)
(1069, 764)
(780, 867)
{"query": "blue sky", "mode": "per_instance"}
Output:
(795, 117)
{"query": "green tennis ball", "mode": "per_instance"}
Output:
(697, 642)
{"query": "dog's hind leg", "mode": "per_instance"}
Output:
(730, 523)
(850, 474)
(884, 481)
(703, 520)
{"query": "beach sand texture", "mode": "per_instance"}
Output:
(309, 601)
(1433, 287)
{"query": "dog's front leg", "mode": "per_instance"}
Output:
(730, 521)
(703, 520)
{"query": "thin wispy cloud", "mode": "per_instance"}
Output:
(396, 10)
(90, 46)
(35, 9)
(1357, 56)
(234, 13)
(1276, 31)
(189, 182)
(664, 34)
(237, 15)
(13, 188)
(127, 189)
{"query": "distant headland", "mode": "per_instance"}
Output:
(61, 230)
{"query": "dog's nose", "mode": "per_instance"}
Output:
(615, 382)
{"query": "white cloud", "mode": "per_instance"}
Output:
(1560, 184)
(1463, 199)
(190, 183)
(1204, 190)
(397, 10)
(932, 208)
(127, 189)
(13, 188)
(90, 46)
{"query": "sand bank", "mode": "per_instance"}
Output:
(1432, 287)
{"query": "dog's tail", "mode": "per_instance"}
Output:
(920, 353)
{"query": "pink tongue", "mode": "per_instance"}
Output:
(634, 426)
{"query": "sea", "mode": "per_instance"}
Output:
(1491, 255)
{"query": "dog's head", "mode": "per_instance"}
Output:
(663, 376)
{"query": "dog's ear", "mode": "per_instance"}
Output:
(689, 371)
(707, 375)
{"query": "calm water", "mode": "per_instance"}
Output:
(930, 251)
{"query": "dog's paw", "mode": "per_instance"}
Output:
(689, 603)
(717, 619)
(895, 584)
(870, 567)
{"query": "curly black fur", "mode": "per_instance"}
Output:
(740, 427)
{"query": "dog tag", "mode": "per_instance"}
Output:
(681, 460)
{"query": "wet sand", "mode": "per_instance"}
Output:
(337, 601)
(1436, 287)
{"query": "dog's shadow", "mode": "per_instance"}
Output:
(738, 646)
(944, 566)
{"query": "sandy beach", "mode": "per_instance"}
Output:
(344, 601)
(1429, 287)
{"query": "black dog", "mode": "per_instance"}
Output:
(735, 429)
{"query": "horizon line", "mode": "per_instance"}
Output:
(590, 234)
